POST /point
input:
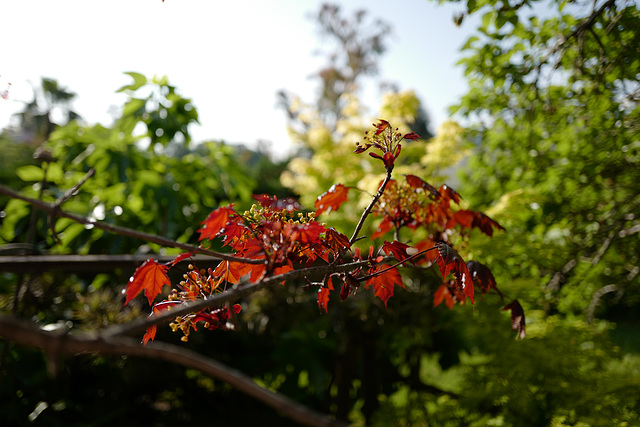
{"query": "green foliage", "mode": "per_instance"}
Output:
(165, 189)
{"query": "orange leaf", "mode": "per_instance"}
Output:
(443, 294)
(180, 257)
(150, 277)
(450, 261)
(215, 222)
(331, 199)
(323, 295)
(150, 334)
(384, 283)
(385, 226)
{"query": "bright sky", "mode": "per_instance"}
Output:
(230, 57)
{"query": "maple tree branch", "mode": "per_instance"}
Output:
(54, 209)
(69, 193)
(369, 208)
(58, 344)
(234, 294)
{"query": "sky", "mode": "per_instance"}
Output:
(230, 58)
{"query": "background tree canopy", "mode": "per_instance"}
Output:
(547, 143)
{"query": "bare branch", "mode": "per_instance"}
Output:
(369, 208)
(57, 344)
(52, 209)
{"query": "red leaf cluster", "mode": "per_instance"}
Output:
(386, 140)
(276, 237)
(450, 261)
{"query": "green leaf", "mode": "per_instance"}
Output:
(139, 80)
(133, 106)
(30, 173)
(486, 19)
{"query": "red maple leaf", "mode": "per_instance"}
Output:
(449, 193)
(384, 283)
(468, 219)
(385, 226)
(336, 240)
(331, 199)
(482, 277)
(443, 294)
(180, 257)
(305, 233)
(150, 277)
(486, 224)
(380, 127)
(151, 331)
(323, 295)
(398, 249)
(517, 317)
(417, 182)
(463, 218)
(450, 261)
(215, 222)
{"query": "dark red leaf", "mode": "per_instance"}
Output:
(331, 199)
(450, 261)
(361, 148)
(384, 283)
(449, 193)
(482, 277)
(345, 291)
(150, 277)
(336, 240)
(486, 224)
(517, 317)
(380, 127)
(412, 136)
(215, 222)
(398, 249)
(417, 182)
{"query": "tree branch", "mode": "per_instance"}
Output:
(57, 344)
(369, 208)
(54, 209)
(234, 294)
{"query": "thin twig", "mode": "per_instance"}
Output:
(369, 208)
(399, 263)
(123, 231)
